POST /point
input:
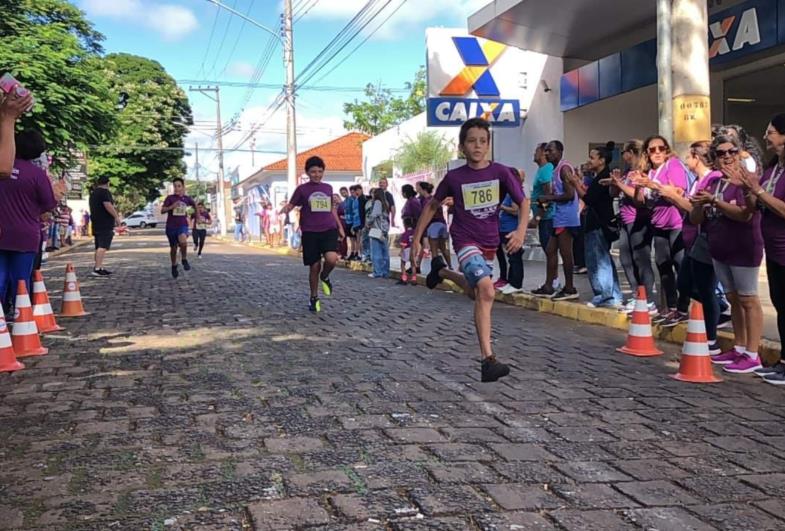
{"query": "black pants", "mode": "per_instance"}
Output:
(776, 273)
(668, 254)
(515, 274)
(636, 241)
(698, 281)
(200, 236)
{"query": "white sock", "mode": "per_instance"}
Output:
(740, 349)
(752, 355)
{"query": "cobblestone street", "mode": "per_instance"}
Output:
(217, 402)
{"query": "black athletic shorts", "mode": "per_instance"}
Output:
(317, 244)
(103, 239)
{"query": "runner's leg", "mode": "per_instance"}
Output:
(564, 241)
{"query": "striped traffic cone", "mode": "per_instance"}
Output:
(640, 341)
(42, 309)
(8, 361)
(24, 332)
(72, 299)
(695, 365)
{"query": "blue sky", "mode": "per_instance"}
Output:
(177, 34)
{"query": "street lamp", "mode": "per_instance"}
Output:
(288, 47)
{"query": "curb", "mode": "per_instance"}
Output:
(77, 244)
(769, 350)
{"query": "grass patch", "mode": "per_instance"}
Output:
(80, 482)
(229, 470)
(32, 511)
(153, 478)
(357, 482)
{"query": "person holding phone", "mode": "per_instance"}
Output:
(176, 207)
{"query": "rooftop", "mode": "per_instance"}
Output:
(342, 154)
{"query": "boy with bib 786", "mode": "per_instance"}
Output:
(476, 191)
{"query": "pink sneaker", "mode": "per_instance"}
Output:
(726, 358)
(743, 365)
(499, 284)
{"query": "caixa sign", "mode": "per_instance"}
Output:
(455, 111)
(744, 29)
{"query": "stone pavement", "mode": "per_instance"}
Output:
(217, 402)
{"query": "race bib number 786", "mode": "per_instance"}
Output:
(477, 196)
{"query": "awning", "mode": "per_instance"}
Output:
(579, 29)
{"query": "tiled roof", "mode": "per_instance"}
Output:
(342, 154)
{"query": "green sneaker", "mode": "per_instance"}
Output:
(327, 286)
(315, 305)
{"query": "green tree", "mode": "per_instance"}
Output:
(427, 150)
(381, 110)
(147, 147)
(51, 48)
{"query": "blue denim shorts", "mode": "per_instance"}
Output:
(474, 265)
(173, 235)
(438, 231)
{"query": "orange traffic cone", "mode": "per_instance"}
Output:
(695, 366)
(640, 341)
(72, 299)
(42, 310)
(24, 332)
(8, 361)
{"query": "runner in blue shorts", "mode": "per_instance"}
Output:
(176, 208)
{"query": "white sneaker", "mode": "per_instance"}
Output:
(509, 289)
(629, 307)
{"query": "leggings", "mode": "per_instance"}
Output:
(668, 254)
(776, 273)
(635, 251)
(698, 281)
(200, 235)
(14, 266)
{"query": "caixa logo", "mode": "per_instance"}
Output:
(734, 33)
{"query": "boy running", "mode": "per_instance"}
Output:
(475, 191)
(406, 252)
(321, 228)
(202, 220)
(176, 208)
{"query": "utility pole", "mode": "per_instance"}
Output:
(253, 152)
(223, 202)
(291, 128)
(197, 163)
(664, 69)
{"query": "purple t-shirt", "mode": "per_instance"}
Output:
(179, 216)
(689, 232)
(733, 242)
(316, 203)
(628, 211)
(477, 195)
(23, 198)
(438, 217)
(412, 209)
(666, 215)
(773, 226)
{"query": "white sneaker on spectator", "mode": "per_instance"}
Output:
(509, 289)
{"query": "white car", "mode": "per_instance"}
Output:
(140, 220)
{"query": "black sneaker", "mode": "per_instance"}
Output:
(566, 295)
(674, 319)
(580, 271)
(175, 272)
(544, 291)
(776, 378)
(763, 372)
(315, 305)
(714, 349)
(724, 321)
(660, 318)
(492, 370)
(96, 273)
(433, 279)
(105, 272)
(186, 265)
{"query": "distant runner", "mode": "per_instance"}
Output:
(321, 228)
(201, 222)
(176, 208)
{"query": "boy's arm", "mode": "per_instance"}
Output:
(425, 219)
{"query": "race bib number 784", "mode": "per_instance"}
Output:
(320, 202)
(478, 196)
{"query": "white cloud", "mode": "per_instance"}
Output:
(172, 22)
(412, 14)
(241, 69)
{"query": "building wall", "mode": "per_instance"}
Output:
(544, 122)
(629, 115)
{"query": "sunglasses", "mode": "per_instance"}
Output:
(723, 153)
(658, 149)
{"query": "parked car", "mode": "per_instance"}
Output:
(140, 220)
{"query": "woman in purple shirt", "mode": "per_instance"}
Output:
(665, 169)
(769, 194)
(24, 197)
(731, 220)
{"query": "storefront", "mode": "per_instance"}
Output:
(608, 90)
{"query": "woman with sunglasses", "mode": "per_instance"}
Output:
(635, 236)
(732, 224)
(769, 194)
(665, 170)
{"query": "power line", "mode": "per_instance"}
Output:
(342, 61)
(315, 88)
(237, 39)
(305, 11)
(210, 40)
